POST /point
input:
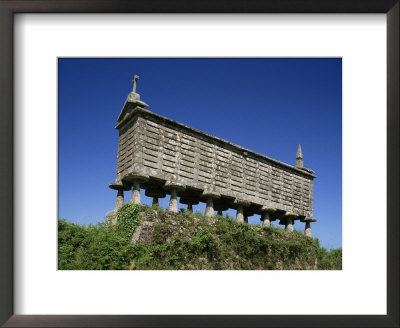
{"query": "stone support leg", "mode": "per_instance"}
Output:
(173, 202)
(190, 207)
(239, 214)
(266, 222)
(155, 201)
(289, 224)
(220, 213)
(246, 219)
(120, 200)
(307, 230)
(209, 212)
(135, 198)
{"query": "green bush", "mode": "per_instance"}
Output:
(128, 219)
(187, 241)
(98, 247)
(331, 260)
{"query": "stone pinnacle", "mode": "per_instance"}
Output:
(299, 158)
(299, 154)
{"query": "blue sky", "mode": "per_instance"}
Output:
(268, 105)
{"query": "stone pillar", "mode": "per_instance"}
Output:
(246, 219)
(111, 216)
(189, 201)
(173, 187)
(239, 214)
(209, 196)
(240, 203)
(220, 208)
(266, 215)
(155, 201)
(209, 212)
(120, 200)
(190, 207)
(307, 230)
(289, 224)
(135, 198)
(266, 222)
(288, 220)
(155, 194)
(173, 202)
(135, 180)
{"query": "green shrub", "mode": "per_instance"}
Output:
(182, 242)
(98, 247)
(331, 260)
(128, 219)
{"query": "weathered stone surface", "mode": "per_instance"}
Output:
(111, 217)
(132, 177)
(291, 215)
(155, 193)
(169, 185)
(150, 218)
(135, 197)
(239, 214)
(120, 200)
(266, 222)
(299, 158)
(307, 230)
(173, 202)
(241, 202)
(116, 186)
(209, 211)
(308, 220)
(162, 153)
(211, 194)
(289, 224)
(188, 226)
(268, 209)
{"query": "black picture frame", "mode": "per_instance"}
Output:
(10, 7)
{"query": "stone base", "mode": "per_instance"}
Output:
(111, 217)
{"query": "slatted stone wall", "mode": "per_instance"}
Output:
(165, 150)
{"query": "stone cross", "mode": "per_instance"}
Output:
(134, 81)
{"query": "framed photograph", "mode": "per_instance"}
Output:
(60, 55)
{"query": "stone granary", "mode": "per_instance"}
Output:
(164, 157)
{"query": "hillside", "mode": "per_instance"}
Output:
(148, 238)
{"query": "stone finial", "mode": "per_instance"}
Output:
(134, 81)
(299, 158)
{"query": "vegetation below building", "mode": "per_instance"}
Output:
(165, 241)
